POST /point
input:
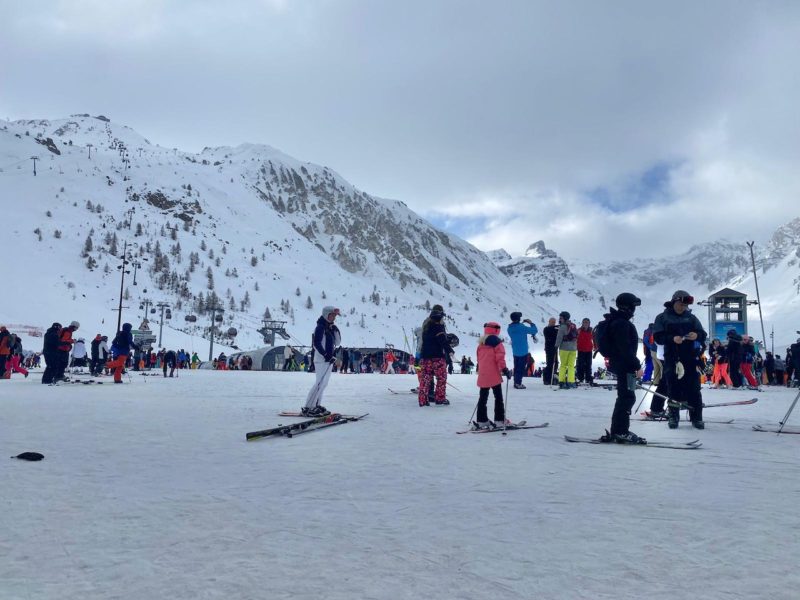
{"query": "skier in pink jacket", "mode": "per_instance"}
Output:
(491, 370)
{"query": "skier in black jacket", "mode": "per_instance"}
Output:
(735, 355)
(550, 334)
(52, 357)
(622, 343)
(683, 338)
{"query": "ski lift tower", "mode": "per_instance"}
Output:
(727, 309)
(270, 328)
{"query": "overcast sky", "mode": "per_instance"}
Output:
(607, 128)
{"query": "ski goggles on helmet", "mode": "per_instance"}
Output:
(685, 299)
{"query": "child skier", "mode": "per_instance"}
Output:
(491, 370)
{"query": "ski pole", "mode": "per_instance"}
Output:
(505, 407)
(454, 387)
(789, 412)
(647, 391)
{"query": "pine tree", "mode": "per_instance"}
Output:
(210, 278)
(87, 246)
(267, 314)
(297, 292)
(203, 246)
(113, 249)
(309, 304)
(253, 261)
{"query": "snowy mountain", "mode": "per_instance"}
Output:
(247, 228)
(585, 288)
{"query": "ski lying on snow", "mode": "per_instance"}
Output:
(292, 413)
(398, 393)
(646, 417)
(775, 428)
(509, 427)
(293, 428)
(317, 427)
(693, 445)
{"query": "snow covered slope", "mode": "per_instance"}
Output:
(248, 228)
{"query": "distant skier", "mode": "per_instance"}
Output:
(94, 353)
(567, 344)
(492, 368)
(65, 343)
(121, 350)
(288, 355)
(683, 338)
(551, 361)
(734, 352)
(583, 369)
(720, 360)
(748, 360)
(325, 341)
(5, 350)
(16, 359)
(519, 345)
(170, 360)
(619, 341)
(52, 357)
(78, 354)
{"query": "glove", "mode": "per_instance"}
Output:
(679, 370)
(535, 339)
(506, 373)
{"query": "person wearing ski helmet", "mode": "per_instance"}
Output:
(434, 352)
(567, 344)
(623, 342)
(518, 331)
(492, 368)
(121, 350)
(683, 338)
(326, 340)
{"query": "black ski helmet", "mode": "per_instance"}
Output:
(628, 300)
(564, 315)
(516, 316)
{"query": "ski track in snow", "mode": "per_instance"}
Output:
(149, 490)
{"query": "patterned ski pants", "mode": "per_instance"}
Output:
(433, 367)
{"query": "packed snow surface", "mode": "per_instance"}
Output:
(149, 490)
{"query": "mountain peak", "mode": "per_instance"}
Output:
(538, 250)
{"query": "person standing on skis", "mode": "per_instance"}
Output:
(325, 341)
(682, 336)
(492, 368)
(519, 332)
(620, 345)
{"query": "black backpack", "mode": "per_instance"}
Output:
(600, 337)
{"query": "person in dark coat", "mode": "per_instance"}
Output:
(65, 344)
(734, 352)
(623, 341)
(170, 360)
(684, 339)
(52, 357)
(434, 353)
(550, 334)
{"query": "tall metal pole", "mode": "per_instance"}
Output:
(758, 296)
(162, 306)
(122, 285)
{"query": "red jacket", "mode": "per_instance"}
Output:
(585, 342)
(65, 341)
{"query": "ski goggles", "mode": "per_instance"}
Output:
(684, 299)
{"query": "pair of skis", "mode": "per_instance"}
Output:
(508, 427)
(693, 445)
(306, 426)
(647, 416)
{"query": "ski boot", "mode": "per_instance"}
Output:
(628, 438)
(656, 415)
(519, 386)
(482, 425)
(672, 420)
(698, 424)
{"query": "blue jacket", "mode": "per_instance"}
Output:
(519, 332)
(123, 343)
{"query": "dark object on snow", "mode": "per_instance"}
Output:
(33, 456)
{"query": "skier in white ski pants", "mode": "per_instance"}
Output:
(326, 339)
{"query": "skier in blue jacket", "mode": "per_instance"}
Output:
(518, 332)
